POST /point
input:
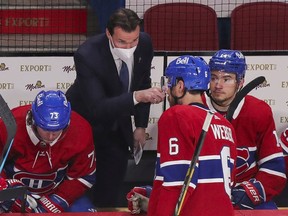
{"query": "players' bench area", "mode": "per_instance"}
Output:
(121, 212)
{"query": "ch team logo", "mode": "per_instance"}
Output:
(242, 160)
(38, 183)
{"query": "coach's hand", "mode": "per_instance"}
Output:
(138, 199)
(248, 194)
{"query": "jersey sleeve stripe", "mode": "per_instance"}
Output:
(273, 172)
(270, 157)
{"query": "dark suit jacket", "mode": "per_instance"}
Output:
(96, 92)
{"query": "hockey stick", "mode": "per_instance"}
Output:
(193, 162)
(10, 124)
(241, 94)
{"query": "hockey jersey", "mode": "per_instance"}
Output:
(209, 191)
(66, 167)
(284, 145)
(259, 154)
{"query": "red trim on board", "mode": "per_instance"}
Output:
(237, 213)
(43, 21)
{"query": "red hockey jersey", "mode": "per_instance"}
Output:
(66, 168)
(259, 154)
(209, 191)
(284, 145)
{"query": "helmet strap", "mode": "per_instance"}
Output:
(176, 99)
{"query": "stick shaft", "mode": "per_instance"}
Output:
(241, 94)
(194, 160)
(10, 124)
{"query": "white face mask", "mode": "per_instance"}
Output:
(123, 54)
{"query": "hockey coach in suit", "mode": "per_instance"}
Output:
(101, 96)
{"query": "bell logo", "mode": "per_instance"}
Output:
(184, 60)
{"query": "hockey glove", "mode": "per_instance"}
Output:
(248, 195)
(51, 204)
(45, 204)
(138, 199)
(8, 205)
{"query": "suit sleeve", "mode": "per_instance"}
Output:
(143, 71)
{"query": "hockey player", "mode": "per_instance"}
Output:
(179, 129)
(260, 164)
(52, 154)
(284, 145)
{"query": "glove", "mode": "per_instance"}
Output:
(5, 184)
(34, 203)
(138, 199)
(248, 194)
(51, 204)
(45, 204)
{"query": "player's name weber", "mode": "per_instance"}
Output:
(222, 132)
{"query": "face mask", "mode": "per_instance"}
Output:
(123, 54)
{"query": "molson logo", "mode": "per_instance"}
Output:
(38, 85)
(263, 85)
(3, 67)
(68, 69)
(148, 137)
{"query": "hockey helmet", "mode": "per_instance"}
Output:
(51, 111)
(229, 61)
(193, 70)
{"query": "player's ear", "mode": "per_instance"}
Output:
(180, 87)
(29, 119)
(241, 83)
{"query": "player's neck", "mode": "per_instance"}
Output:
(188, 99)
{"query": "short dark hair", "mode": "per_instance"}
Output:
(124, 18)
